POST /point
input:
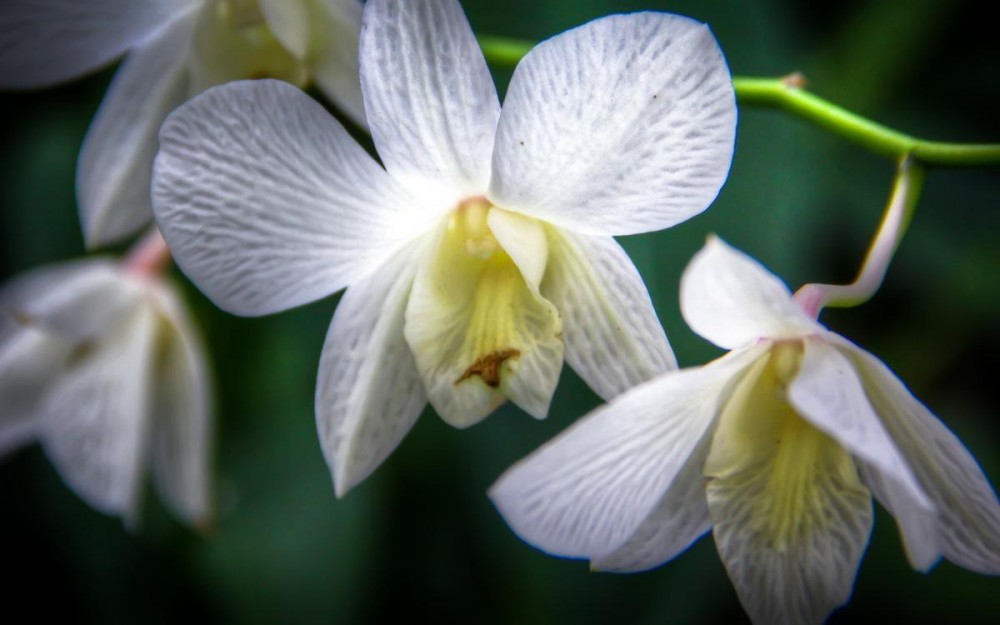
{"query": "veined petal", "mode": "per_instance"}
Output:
(76, 300)
(266, 201)
(29, 360)
(115, 168)
(587, 492)
(968, 514)
(623, 125)
(181, 414)
(479, 331)
(731, 300)
(613, 339)
(369, 393)
(333, 54)
(429, 97)
(791, 519)
(679, 519)
(827, 392)
(94, 421)
(43, 42)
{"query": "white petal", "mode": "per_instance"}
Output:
(679, 519)
(827, 393)
(115, 168)
(732, 300)
(369, 393)
(266, 201)
(429, 96)
(968, 514)
(43, 42)
(614, 340)
(95, 418)
(790, 516)
(181, 414)
(333, 54)
(588, 491)
(479, 331)
(76, 300)
(623, 125)
(29, 361)
(289, 21)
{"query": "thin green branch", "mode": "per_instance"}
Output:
(902, 203)
(787, 94)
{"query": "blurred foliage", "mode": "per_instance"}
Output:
(419, 540)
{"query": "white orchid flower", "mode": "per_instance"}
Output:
(777, 447)
(99, 363)
(483, 251)
(174, 50)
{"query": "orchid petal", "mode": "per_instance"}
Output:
(968, 513)
(369, 393)
(29, 360)
(479, 329)
(790, 517)
(679, 519)
(44, 42)
(115, 168)
(333, 54)
(267, 203)
(614, 340)
(623, 125)
(429, 97)
(587, 492)
(731, 300)
(826, 392)
(76, 300)
(181, 415)
(94, 420)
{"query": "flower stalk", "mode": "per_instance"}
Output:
(902, 202)
(788, 94)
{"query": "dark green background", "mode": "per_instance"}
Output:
(419, 541)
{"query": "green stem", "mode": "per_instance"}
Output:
(787, 94)
(902, 202)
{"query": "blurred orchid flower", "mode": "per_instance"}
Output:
(100, 364)
(484, 247)
(175, 49)
(777, 446)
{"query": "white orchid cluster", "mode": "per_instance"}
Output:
(477, 255)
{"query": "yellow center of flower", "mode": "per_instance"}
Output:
(770, 471)
(233, 41)
(476, 321)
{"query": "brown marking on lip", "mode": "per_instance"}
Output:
(488, 367)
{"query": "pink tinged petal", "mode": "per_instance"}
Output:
(614, 340)
(115, 168)
(44, 42)
(828, 393)
(333, 54)
(29, 361)
(679, 519)
(181, 414)
(968, 513)
(76, 300)
(94, 421)
(731, 300)
(587, 493)
(369, 393)
(266, 201)
(791, 518)
(429, 97)
(623, 125)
